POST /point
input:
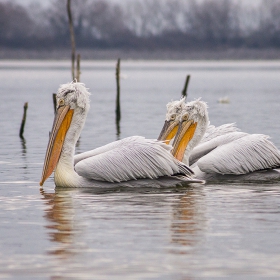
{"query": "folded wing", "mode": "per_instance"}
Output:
(203, 148)
(246, 154)
(130, 158)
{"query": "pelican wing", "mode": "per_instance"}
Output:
(241, 156)
(106, 148)
(131, 158)
(215, 131)
(206, 147)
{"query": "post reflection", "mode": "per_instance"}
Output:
(188, 222)
(62, 228)
(24, 155)
(23, 145)
(118, 130)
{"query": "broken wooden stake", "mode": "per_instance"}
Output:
(72, 36)
(54, 102)
(118, 106)
(23, 120)
(184, 91)
(78, 71)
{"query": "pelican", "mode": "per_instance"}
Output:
(170, 128)
(233, 156)
(131, 158)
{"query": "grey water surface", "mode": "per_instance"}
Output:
(187, 232)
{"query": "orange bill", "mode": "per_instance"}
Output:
(185, 134)
(61, 125)
(168, 131)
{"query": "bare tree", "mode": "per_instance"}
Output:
(15, 25)
(214, 22)
(153, 17)
(268, 32)
(105, 19)
(58, 22)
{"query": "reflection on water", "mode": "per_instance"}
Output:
(122, 219)
(61, 226)
(187, 221)
(23, 145)
(118, 130)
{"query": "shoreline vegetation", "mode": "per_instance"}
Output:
(113, 54)
(142, 29)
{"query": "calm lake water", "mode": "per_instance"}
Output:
(185, 232)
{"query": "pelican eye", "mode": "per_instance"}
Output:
(60, 102)
(173, 117)
(185, 118)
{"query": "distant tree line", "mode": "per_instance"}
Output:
(142, 24)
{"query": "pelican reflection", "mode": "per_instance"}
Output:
(62, 226)
(188, 221)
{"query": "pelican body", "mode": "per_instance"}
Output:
(231, 156)
(128, 159)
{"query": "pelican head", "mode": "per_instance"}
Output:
(170, 127)
(73, 94)
(192, 126)
(72, 108)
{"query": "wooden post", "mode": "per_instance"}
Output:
(54, 102)
(73, 44)
(118, 106)
(23, 120)
(78, 72)
(184, 91)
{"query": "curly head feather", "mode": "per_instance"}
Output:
(74, 94)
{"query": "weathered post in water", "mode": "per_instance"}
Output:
(72, 35)
(118, 106)
(75, 70)
(78, 71)
(54, 102)
(184, 91)
(23, 120)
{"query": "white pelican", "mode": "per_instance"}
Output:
(233, 156)
(127, 159)
(170, 128)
